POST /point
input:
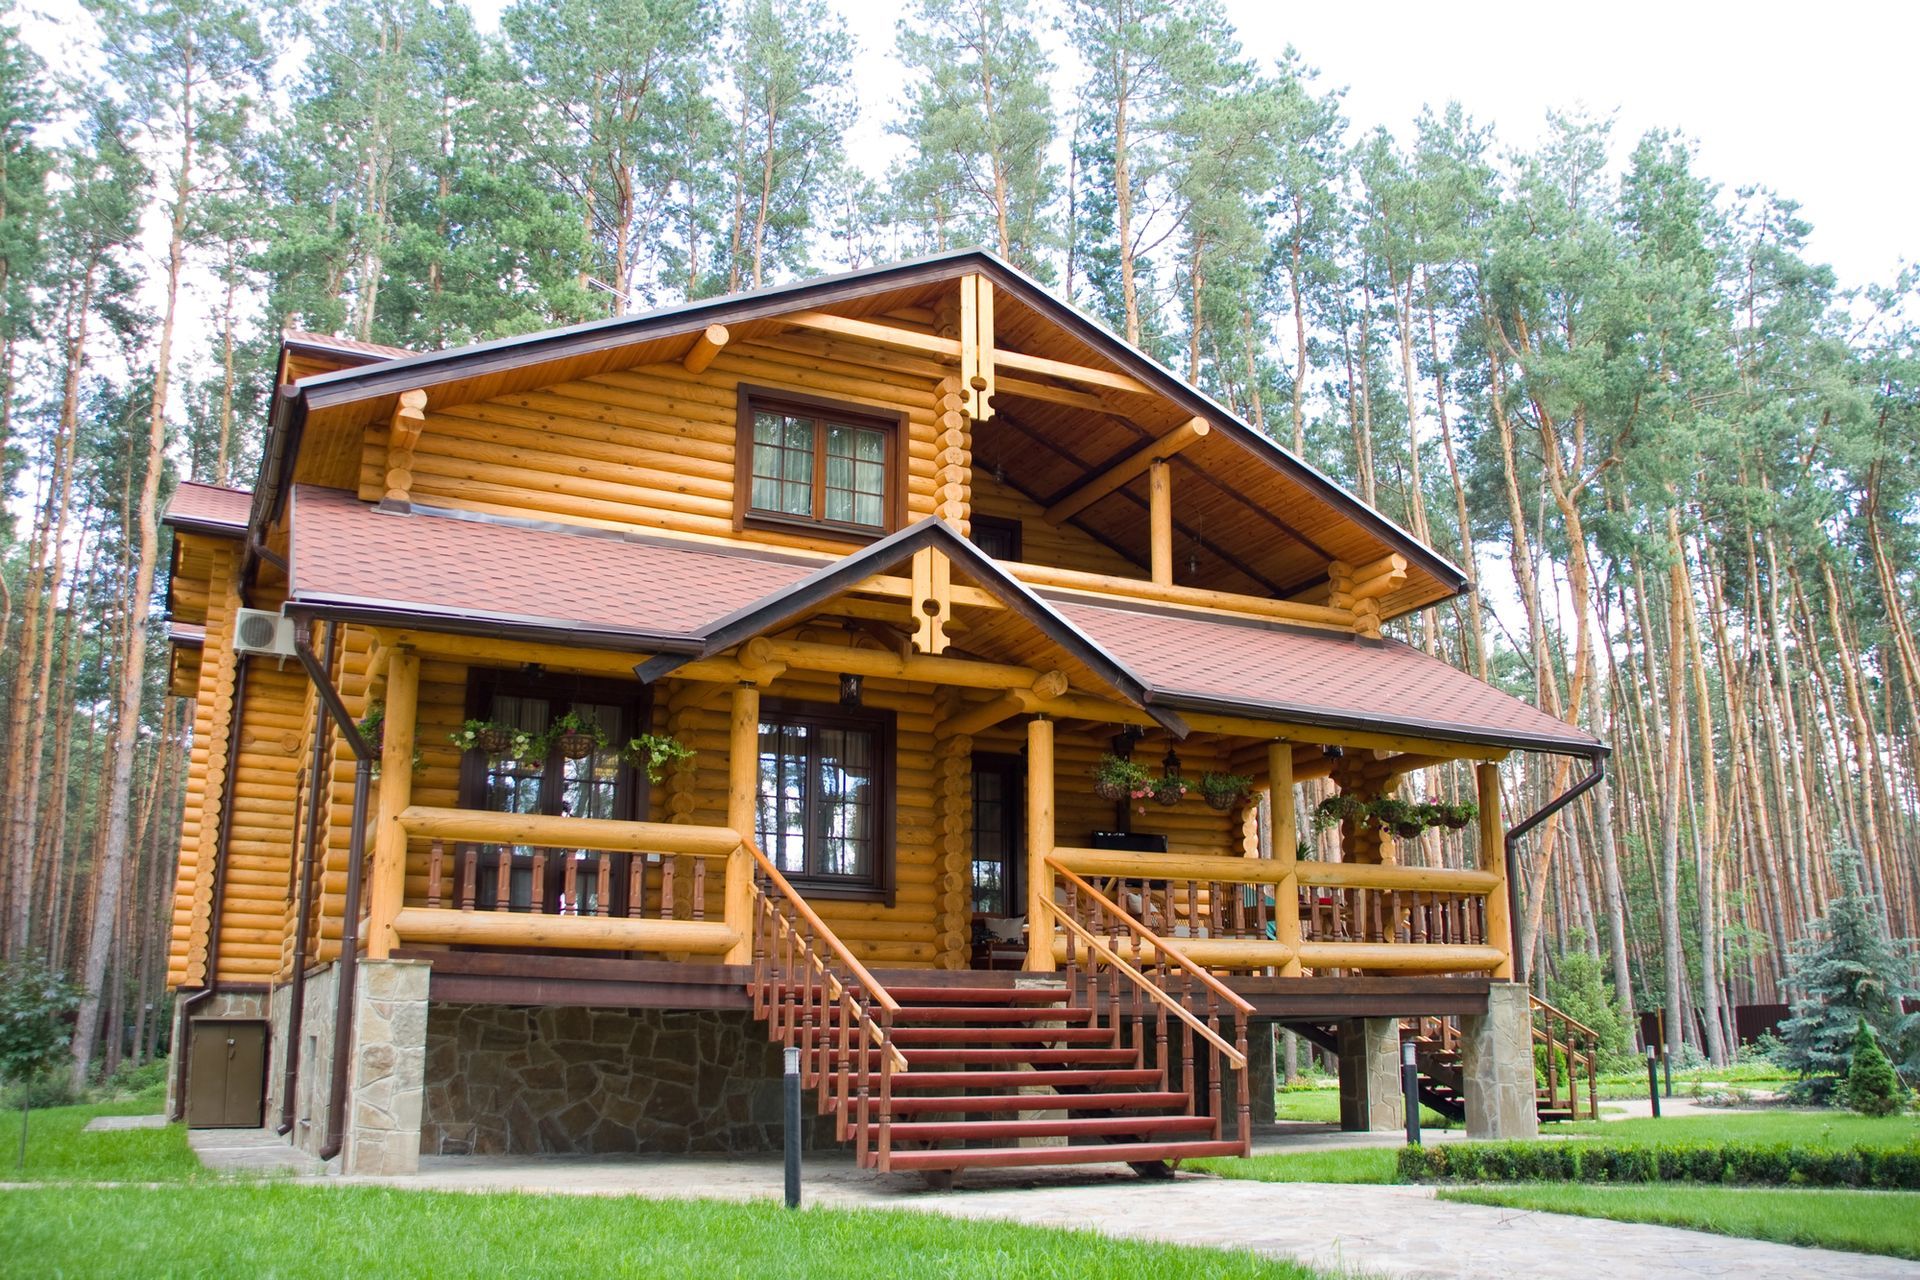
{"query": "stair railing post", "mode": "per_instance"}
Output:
(886, 1090)
(1245, 1100)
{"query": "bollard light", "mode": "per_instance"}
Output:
(1653, 1079)
(1410, 1085)
(791, 1081)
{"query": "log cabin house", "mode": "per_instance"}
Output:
(897, 556)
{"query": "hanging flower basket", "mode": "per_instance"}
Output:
(1170, 790)
(656, 753)
(495, 739)
(1225, 792)
(1453, 817)
(1118, 778)
(575, 736)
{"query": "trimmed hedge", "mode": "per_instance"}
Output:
(1735, 1164)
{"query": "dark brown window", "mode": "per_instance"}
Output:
(825, 815)
(999, 793)
(598, 785)
(999, 538)
(804, 461)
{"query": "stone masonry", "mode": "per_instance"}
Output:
(1370, 1098)
(553, 1080)
(388, 1069)
(1497, 1066)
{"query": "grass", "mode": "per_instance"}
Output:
(58, 1149)
(291, 1233)
(1802, 1128)
(1349, 1164)
(1883, 1222)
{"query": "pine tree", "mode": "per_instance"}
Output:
(1844, 975)
(1871, 1087)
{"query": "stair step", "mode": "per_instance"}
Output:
(940, 1104)
(1092, 1126)
(917, 1080)
(917, 1058)
(1016, 1157)
(905, 1036)
(915, 1014)
(978, 995)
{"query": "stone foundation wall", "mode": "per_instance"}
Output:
(311, 1090)
(568, 1080)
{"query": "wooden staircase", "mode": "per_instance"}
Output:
(1108, 1062)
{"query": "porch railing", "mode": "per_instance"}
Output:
(815, 996)
(1155, 1000)
(1228, 913)
(641, 886)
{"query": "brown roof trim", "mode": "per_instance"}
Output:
(382, 613)
(430, 369)
(932, 532)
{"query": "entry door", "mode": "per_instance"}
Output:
(999, 809)
(226, 1074)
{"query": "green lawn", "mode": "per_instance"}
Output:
(1353, 1164)
(291, 1232)
(1885, 1222)
(57, 1149)
(1803, 1128)
(1322, 1106)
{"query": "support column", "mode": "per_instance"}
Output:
(1260, 1070)
(1496, 1065)
(1160, 519)
(1040, 927)
(1370, 1100)
(388, 883)
(387, 1077)
(1493, 857)
(1286, 853)
(743, 797)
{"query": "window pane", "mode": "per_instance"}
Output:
(782, 464)
(780, 820)
(844, 807)
(991, 880)
(856, 474)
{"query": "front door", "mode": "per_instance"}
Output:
(999, 880)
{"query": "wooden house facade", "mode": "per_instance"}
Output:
(869, 573)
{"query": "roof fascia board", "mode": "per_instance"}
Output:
(1319, 717)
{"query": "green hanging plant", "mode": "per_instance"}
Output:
(656, 753)
(1118, 778)
(1398, 816)
(372, 727)
(493, 738)
(1336, 809)
(1170, 789)
(1452, 817)
(576, 736)
(1225, 791)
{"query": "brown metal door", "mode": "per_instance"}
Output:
(226, 1074)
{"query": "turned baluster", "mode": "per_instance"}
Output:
(436, 856)
(503, 880)
(699, 888)
(570, 884)
(666, 887)
(469, 875)
(603, 885)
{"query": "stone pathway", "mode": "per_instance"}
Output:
(251, 1151)
(1384, 1231)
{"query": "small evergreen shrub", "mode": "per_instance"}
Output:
(1871, 1087)
(1741, 1164)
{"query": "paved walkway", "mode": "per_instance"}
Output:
(1385, 1231)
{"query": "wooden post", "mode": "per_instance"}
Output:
(1493, 857)
(388, 884)
(1040, 928)
(1286, 853)
(1160, 519)
(743, 799)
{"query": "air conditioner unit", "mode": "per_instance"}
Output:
(263, 633)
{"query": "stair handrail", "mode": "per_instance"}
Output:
(1577, 1058)
(1161, 948)
(1536, 1002)
(868, 983)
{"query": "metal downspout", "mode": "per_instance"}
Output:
(218, 872)
(297, 997)
(1514, 834)
(350, 923)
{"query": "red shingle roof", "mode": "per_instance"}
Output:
(480, 575)
(209, 508)
(305, 338)
(1320, 676)
(346, 553)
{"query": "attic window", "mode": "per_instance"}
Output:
(805, 461)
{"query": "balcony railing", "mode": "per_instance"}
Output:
(1232, 913)
(591, 884)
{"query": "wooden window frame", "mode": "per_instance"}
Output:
(884, 727)
(893, 424)
(1012, 528)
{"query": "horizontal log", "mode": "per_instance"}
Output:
(1169, 866)
(1210, 953)
(577, 933)
(569, 833)
(1400, 958)
(1361, 875)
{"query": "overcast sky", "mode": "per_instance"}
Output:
(1816, 101)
